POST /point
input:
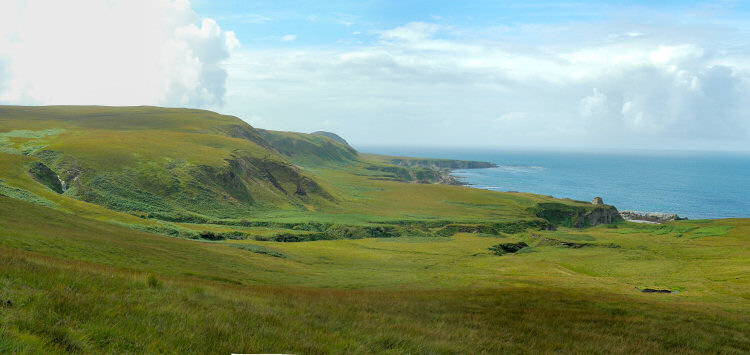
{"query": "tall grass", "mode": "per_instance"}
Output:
(59, 306)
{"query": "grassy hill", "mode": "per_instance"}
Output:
(168, 161)
(181, 231)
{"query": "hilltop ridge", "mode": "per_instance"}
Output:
(331, 135)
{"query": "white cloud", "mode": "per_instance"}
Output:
(119, 52)
(646, 90)
(288, 38)
(592, 104)
(411, 32)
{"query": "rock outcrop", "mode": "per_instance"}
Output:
(576, 216)
(600, 215)
(597, 201)
(653, 217)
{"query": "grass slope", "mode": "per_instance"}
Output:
(146, 159)
(80, 285)
(193, 165)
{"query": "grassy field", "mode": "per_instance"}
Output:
(79, 275)
(89, 286)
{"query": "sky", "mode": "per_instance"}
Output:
(495, 74)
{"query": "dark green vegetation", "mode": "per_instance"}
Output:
(570, 215)
(188, 231)
(505, 248)
(45, 176)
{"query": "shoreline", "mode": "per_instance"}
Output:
(645, 217)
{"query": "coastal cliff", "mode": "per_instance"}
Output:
(416, 174)
(420, 170)
(439, 170)
(442, 163)
(576, 216)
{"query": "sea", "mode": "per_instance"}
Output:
(696, 185)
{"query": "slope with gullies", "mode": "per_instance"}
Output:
(157, 160)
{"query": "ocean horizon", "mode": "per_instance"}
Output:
(692, 184)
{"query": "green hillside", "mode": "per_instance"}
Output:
(194, 166)
(175, 230)
(168, 161)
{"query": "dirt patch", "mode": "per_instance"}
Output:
(560, 243)
(573, 245)
(655, 290)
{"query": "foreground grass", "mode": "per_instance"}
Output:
(62, 306)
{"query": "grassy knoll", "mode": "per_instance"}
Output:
(178, 235)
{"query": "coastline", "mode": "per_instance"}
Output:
(696, 186)
(443, 168)
(646, 217)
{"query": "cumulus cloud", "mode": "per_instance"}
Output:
(119, 52)
(608, 86)
(675, 90)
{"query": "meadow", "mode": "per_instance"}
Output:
(387, 265)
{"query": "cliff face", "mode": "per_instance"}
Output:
(418, 174)
(576, 216)
(600, 215)
(431, 171)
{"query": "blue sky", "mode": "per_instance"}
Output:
(567, 74)
(337, 23)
